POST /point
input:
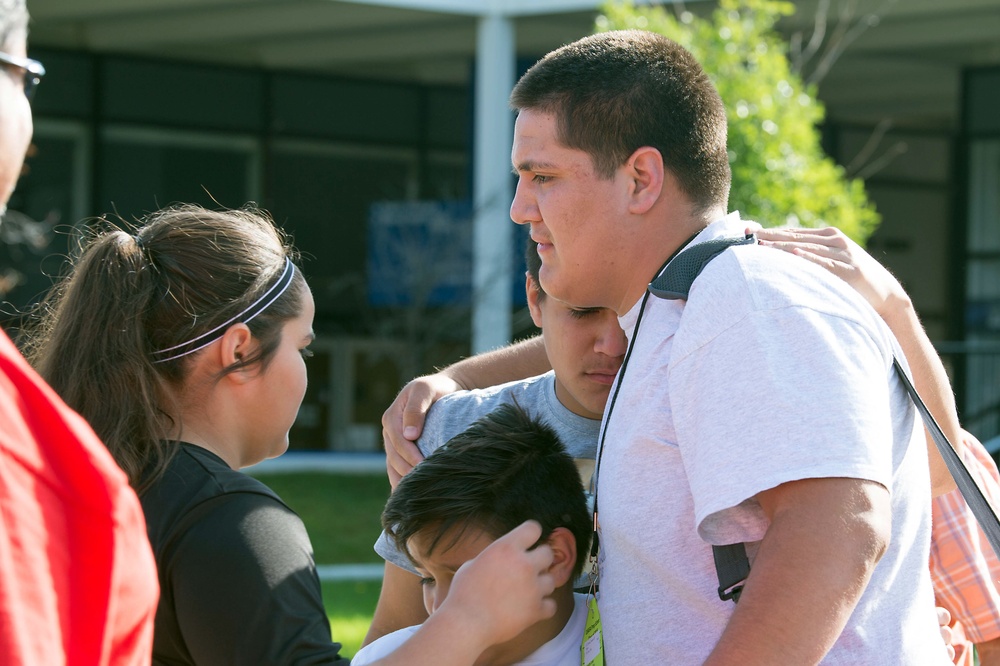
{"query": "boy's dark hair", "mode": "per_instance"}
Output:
(504, 469)
(615, 92)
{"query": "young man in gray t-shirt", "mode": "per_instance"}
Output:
(585, 348)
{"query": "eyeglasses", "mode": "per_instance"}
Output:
(33, 71)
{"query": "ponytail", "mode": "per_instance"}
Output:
(91, 347)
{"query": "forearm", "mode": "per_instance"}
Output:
(810, 571)
(989, 652)
(518, 361)
(445, 639)
(929, 378)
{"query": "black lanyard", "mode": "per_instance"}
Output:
(621, 377)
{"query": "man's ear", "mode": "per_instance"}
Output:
(646, 171)
(531, 291)
(563, 545)
(237, 344)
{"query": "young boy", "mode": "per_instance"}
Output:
(504, 469)
(585, 348)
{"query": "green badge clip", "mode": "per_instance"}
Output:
(592, 648)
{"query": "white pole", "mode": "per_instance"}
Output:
(491, 189)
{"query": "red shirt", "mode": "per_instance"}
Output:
(78, 581)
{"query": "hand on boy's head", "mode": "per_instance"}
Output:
(403, 422)
(506, 588)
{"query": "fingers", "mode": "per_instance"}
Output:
(804, 249)
(522, 543)
(401, 455)
(393, 419)
(522, 538)
(396, 466)
(831, 259)
(819, 232)
(944, 620)
(515, 579)
(403, 422)
(829, 248)
(824, 236)
(522, 562)
(415, 411)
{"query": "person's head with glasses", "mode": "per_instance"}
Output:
(15, 80)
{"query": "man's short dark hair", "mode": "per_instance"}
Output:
(615, 92)
(504, 469)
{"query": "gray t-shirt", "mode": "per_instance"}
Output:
(537, 396)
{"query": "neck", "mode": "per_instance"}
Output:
(662, 235)
(211, 443)
(203, 418)
(567, 400)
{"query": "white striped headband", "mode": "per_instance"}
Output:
(205, 339)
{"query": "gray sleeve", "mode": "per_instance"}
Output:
(388, 551)
(435, 429)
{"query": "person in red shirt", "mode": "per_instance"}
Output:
(77, 577)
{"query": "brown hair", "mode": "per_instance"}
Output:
(615, 92)
(505, 468)
(186, 271)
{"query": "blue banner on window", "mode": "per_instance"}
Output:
(420, 253)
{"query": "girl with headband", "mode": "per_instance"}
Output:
(183, 347)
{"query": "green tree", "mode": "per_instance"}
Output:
(780, 173)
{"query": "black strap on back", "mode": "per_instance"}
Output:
(731, 562)
(971, 492)
(675, 281)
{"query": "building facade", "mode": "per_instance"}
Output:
(323, 111)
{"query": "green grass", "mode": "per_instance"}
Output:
(349, 605)
(340, 511)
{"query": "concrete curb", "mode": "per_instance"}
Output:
(295, 462)
(341, 572)
(321, 461)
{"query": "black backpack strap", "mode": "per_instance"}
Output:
(732, 566)
(731, 562)
(973, 495)
(675, 281)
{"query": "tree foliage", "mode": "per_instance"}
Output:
(780, 173)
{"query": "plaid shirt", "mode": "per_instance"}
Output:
(964, 568)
